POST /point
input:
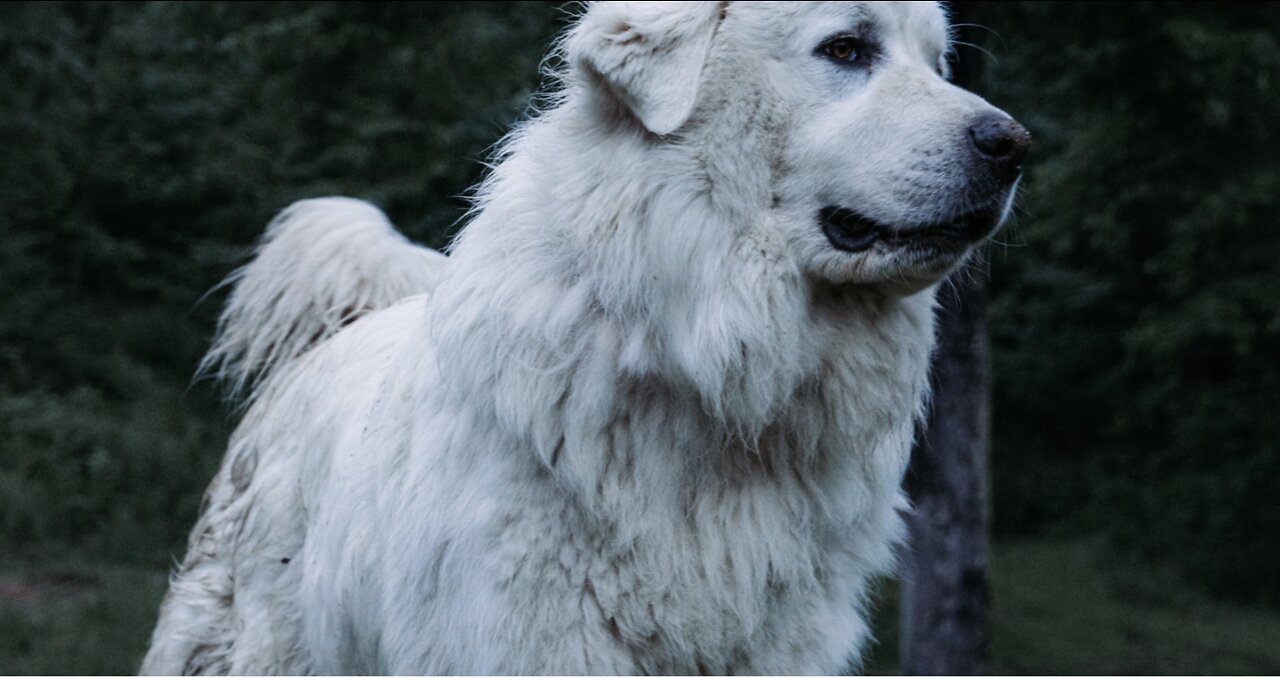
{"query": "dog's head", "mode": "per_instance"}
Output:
(835, 119)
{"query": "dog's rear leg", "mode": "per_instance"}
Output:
(197, 626)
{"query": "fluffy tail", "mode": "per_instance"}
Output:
(321, 264)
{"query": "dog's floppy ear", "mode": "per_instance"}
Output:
(648, 55)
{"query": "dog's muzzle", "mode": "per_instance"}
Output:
(849, 231)
(997, 145)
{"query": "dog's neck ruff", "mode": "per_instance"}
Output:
(707, 410)
(669, 323)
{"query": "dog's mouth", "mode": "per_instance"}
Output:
(850, 231)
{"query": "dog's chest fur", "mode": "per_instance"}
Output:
(626, 519)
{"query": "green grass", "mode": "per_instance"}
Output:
(1067, 607)
(1060, 607)
(75, 618)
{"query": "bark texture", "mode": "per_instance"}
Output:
(945, 589)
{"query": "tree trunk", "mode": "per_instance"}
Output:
(945, 591)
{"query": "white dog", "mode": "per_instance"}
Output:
(652, 413)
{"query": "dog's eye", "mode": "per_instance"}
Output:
(843, 49)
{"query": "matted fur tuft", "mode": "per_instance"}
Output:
(321, 264)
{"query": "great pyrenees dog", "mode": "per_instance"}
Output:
(651, 413)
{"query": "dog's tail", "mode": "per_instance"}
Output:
(321, 264)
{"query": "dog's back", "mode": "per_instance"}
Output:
(321, 264)
(309, 329)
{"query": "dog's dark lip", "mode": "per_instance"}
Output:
(849, 231)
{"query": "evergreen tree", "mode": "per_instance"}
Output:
(1136, 313)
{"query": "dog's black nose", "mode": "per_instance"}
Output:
(1001, 141)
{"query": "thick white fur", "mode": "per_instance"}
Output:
(643, 420)
(321, 264)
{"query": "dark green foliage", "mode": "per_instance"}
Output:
(1136, 319)
(145, 148)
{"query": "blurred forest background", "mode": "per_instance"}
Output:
(1134, 305)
